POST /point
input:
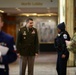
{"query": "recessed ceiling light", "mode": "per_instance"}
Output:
(1, 11)
(34, 14)
(27, 15)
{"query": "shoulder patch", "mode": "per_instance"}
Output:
(65, 36)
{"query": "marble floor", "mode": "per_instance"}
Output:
(45, 64)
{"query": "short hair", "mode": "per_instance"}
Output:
(29, 19)
(1, 16)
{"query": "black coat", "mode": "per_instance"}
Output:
(27, 41)
(61, 48)
(60, 44)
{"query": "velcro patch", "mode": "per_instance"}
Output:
(65, 36)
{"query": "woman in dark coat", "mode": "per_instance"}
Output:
(61, 48)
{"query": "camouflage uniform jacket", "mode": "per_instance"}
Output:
(72, 46)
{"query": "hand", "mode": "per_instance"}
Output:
(63, 55)
(68, 42)
(36, 54)
(18, 55)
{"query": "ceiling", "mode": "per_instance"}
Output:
(29, 6)
(29, 10)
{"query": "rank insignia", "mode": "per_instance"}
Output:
(24, 33)
(33, 32)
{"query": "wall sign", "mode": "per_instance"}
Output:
(28, 3)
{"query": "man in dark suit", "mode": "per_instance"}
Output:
(6, 41)
(27, 46)
(61, 48)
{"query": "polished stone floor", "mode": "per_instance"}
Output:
(45, 64)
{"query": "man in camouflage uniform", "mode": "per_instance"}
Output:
(71, 45)
(27, 46)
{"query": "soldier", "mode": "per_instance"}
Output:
(71, 45)
(61, 48)
(6, 41)
(27, 46)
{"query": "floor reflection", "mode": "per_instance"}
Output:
(45, 64)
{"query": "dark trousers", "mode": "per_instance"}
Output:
(4, 72)
(24, 60)
(61, 66)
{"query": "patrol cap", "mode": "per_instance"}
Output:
(61, 26)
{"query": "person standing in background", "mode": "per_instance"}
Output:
(71, 45)
(6, 42)
(27, 46)
(61, 48)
